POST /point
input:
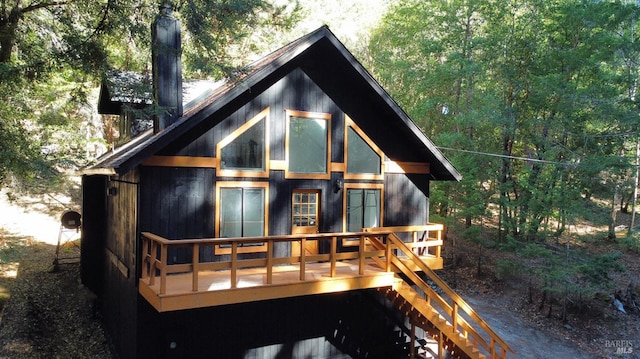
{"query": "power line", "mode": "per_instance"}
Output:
(510, 157)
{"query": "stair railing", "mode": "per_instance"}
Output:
(452, 311)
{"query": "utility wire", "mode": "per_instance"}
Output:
(526, 159)
(510, 157)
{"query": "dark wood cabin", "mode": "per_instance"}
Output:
(283, 213)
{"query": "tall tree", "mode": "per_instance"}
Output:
(53, 53)
(428, 55)
(542, 84)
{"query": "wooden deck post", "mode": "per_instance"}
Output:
(303, 260)
(332, 256)
(388, 254)
(438, 247)
(152, 265)
(234, 263)
(163, 268)
(145, 257)
(493, 348)
(454, 316)
(414, 239)
(270, 261)
(196, 265)
(361, 256)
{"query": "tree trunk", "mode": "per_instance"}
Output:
(543, 300)
(612, 224)
(635, 189)
(8, 27)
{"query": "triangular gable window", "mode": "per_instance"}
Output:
(245, 152)
(364, 159)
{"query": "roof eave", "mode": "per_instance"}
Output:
(452, 173)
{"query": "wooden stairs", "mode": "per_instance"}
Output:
(443, 314)
(422, 315)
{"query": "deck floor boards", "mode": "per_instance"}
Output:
(214, 287)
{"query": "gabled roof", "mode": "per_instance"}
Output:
(128, 88)
(335, 70)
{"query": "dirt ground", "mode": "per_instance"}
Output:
(49, 314)
(597, 332)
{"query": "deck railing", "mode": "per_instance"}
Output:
(155, 252)
(379, 245)
(448, 303)
(156, 249)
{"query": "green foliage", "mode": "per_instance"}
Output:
(563, 272)
(546, 87)
(223, 33)
(510, 244)
(473, 234)
(53, 54)
(631, 242)
(595, 270)
(508, 269)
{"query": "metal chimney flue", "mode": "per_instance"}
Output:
(167, 68)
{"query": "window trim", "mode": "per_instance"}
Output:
(310, 115)
(348, 186)
(360, 176)
(241, 184)
(263, 115)
(318, 203)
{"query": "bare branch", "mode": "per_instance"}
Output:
(41, 5)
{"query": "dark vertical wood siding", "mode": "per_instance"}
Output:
(94, 229)
(295, 91)
(170, 212)
(363, 320)
(119, 302)
(177, 203)
(404, 203)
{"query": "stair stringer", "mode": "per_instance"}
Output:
(495, 346)
(424, 316)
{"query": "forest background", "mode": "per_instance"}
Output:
(534, 102)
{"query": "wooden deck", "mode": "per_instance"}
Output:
(169, 287)
(214, 287)
(377, 254)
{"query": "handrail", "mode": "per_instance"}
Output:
(377, 244)
(392, 241)
(421, 241)
(155, 252)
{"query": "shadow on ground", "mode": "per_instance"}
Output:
(49, 314)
